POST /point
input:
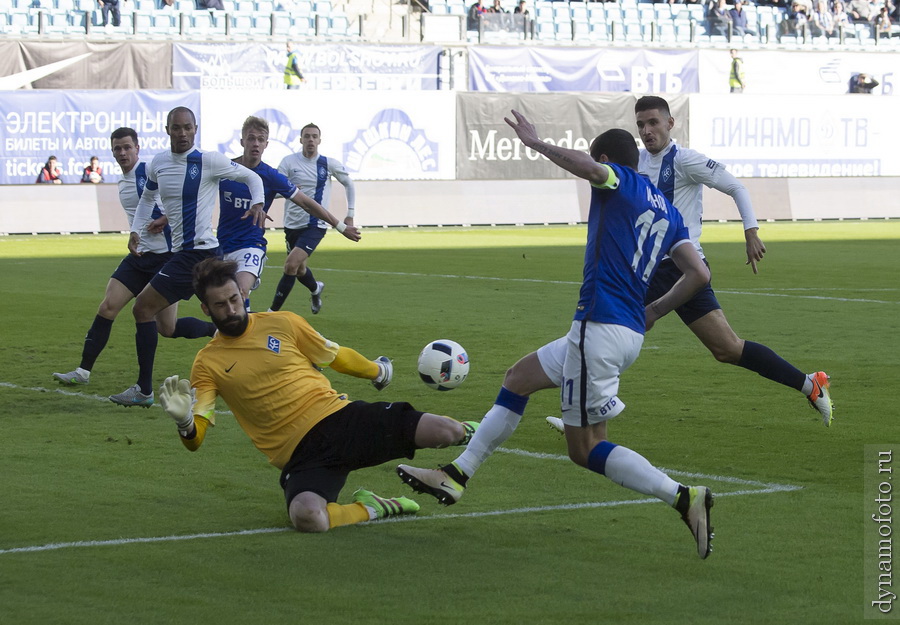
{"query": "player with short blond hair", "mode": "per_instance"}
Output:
(242, 240)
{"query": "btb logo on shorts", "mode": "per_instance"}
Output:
(274, 344)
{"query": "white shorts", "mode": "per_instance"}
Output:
(596, 354)
(249, 260)
(552, 357)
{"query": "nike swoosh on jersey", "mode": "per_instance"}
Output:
(164, 275)
(231, 367)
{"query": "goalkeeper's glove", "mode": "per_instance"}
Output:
(178, 398)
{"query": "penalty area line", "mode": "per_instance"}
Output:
(406, 519)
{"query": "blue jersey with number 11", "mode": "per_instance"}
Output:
(630, 228)
(235, 233)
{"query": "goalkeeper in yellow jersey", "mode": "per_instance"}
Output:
(264, 366)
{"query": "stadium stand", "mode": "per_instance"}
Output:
(624, 22)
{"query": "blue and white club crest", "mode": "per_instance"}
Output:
(274, 344)
(141, 181)
(194, 171)
(667, 173)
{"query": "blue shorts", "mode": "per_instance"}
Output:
(306, 239)
(703, 302)
(358, 435)
(174, 280)
(135, 272)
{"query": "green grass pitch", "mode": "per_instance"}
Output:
(100, 502)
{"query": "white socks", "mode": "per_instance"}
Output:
(631, 470)
(498, 425)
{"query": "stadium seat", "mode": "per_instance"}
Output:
(302, 26)
(281, 24)
(322, 7)
(265, 7)
(241, 24)
(185, 6)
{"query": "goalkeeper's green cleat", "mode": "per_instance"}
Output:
(696, 516)
(470, 427)
(382, 507)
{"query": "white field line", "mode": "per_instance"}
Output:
(405, 519)
(569, 282)
(759, 488)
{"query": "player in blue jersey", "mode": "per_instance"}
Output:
(630, 227)
(185, 181)
(681, 174)
(312, 173)
(240, 239)
(135, 271)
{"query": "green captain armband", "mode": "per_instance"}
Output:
(612, 182)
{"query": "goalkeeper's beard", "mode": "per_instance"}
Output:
(232, 325)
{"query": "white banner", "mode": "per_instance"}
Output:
(795, 137)
(783, 72)
(391, 135)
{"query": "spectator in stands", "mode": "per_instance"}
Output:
(795, 20)
(717, 18)
(211, 4)
(292, 74)
(739, 25)
(736, 80)
(520, 8)
(474, 17)
(51, 173)
(860, 11)
(862, 83)
(107, 7)
(93, 172)
(883, 24)
(496, 8)
(841, 19)
(821, 21)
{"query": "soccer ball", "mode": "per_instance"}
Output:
(95, 177)
(443, 365)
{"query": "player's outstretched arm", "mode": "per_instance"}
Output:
(317, 210)
(695, 275)
(728, 184)
(350, 362)
(756, 249)
(177, 398)
(573, 161)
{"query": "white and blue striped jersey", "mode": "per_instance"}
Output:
(630, 228)
(313, 177)
(186, 186)
(234, 232)
(680, 173)
(131, 187)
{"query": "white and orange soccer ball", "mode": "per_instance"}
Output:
(443, 365)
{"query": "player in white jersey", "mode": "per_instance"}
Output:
(680, 174)
(136, 270)
(186, 182)
(242, 241)
(630, 224)
(312, 173)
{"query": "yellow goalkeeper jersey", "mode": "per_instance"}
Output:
(267, 378)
